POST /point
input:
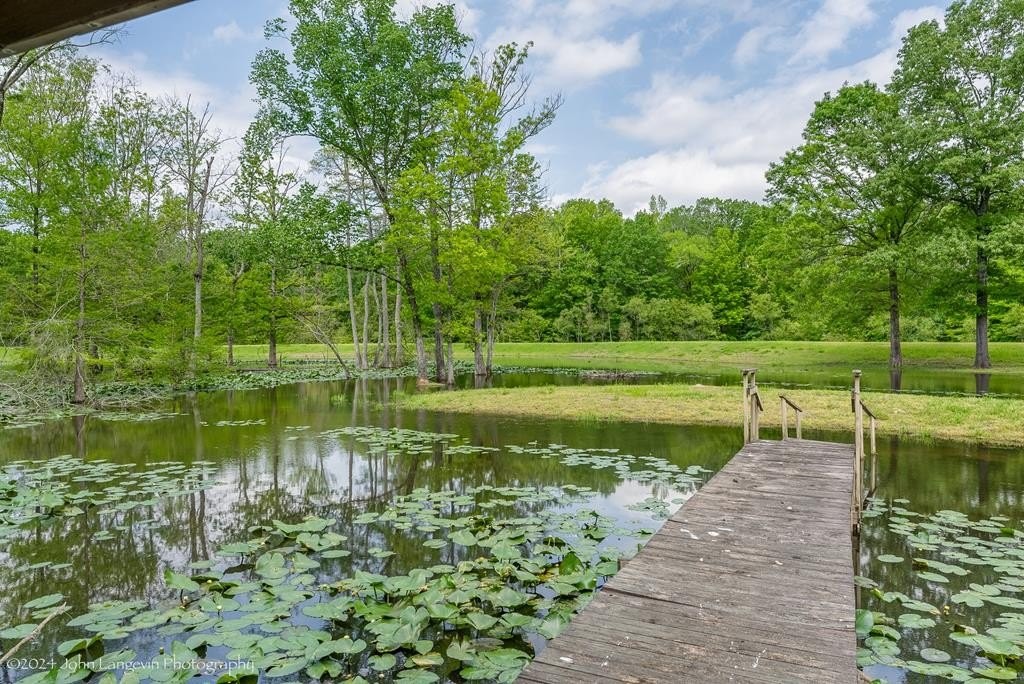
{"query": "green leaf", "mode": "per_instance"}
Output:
(44, 601)
(889, 558)
(18, 631)
(383, 662)
(864, 622)
(934, 655)
(481, 621)
(180, 582)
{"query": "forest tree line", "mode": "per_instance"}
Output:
(139, 240)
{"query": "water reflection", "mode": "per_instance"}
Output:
(280, 464)
(275, 457)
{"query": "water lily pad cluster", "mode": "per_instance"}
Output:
(67, 486)
(642, 468)
(960, 616)
(497, 583)
(134, 416)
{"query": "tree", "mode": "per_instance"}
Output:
(263, 188)
(13, 69)
(962, 85)
(853, 177)
(469, 192)
(191, 159)
(366, 85)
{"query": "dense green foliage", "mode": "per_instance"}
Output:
(138, 241)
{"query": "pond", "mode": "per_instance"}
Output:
(360, 492)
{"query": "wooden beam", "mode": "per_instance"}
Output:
(27, 24)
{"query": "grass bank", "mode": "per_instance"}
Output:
(976, 420)
(699, 357)
(695, 357)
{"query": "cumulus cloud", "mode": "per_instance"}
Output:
(682, 175)
(715, 137)
(752, 43)
(229, 33)
(578, 42)
(828, 29)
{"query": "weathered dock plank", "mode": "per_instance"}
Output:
(750, 581)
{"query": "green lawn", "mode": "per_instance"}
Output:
(777, 356)
(702, 357)
(977, 420)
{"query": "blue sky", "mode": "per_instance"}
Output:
(683, 98)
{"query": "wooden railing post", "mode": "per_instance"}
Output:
(799, 433)
(746, 406)
(858, 450)
(785, 417)
(874, 458)
(755, 408)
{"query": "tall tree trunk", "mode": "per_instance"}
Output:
(399, 352)
(197, 320)
(360, 361)
(366, 319)
(231, 345)
(478, 341)
(377, 350)
(981, 354)
(895, 336)
(492, 327)
(36, 237)
(417, 321)
(385, 323)
(79, 391)
(272, 341)
(450, 366)
(197, 227)
(437, 309)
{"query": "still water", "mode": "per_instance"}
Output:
(270, 459)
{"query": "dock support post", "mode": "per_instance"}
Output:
(874, 458)
(799, 432)
(785, 418)
(755, 408)
(746, 406)
(858, 451)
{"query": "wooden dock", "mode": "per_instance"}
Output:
(750, 581)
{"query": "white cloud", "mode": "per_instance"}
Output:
(589, 59)
(715, 137)
(752, 43)
(681, 175)
(575, 42)
(828, 29)
(229, 33)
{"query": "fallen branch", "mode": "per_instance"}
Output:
(59, 610)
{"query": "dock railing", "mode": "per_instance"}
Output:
(860, 410)
(752, 407)
(785, 403)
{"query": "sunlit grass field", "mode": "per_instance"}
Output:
(699, 357)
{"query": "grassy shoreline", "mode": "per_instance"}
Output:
(696, 357)
(972, 420)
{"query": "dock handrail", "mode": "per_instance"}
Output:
(785, 404)
(752, 407)
(859, 410)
